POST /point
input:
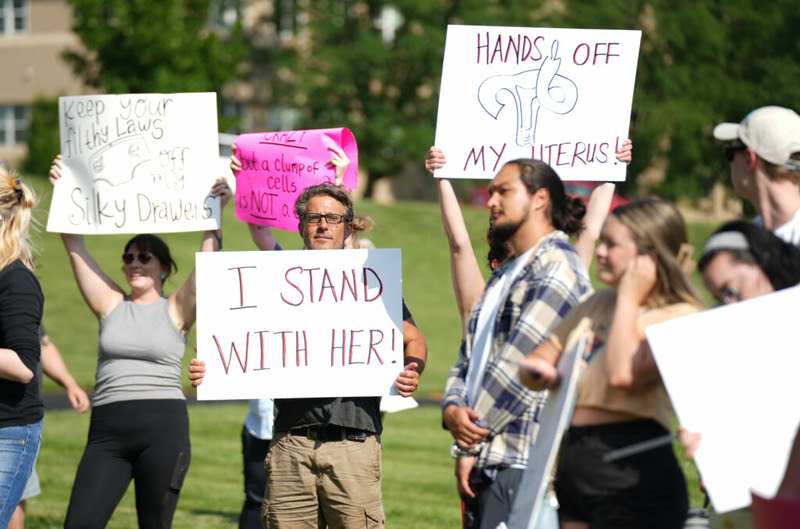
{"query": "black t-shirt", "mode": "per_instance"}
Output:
(21, 303)
(360, 413)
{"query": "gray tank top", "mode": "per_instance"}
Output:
(139, 354)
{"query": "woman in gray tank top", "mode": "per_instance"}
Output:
(139, 429)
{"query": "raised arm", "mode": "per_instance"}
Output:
(99, 291)
(339, 161)
(597, 210)
(629, 361)
(263, 237)
(183, 303)
(465, 272)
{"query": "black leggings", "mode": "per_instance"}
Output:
(143, 440)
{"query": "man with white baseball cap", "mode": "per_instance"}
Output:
(764, 155)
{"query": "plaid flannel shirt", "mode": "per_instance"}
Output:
(549, 286)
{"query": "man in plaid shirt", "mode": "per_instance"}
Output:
(491, 416)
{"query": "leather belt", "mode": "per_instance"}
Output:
(331, 433)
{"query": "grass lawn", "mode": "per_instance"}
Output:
(418, 484)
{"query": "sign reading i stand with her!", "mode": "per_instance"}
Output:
(137, 163)
(277, 166)
(299, 324)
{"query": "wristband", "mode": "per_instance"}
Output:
(456, 452)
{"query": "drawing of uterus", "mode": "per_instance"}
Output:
(531, 91)
(116, 163)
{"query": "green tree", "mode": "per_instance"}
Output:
(700, 63)
(42, 137)
(152, 46)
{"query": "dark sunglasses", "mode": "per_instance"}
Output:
(731, 150)
(144, 257)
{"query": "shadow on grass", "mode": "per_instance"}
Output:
(225, 516)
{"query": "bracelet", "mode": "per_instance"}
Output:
(456, 452)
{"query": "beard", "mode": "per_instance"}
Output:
(502, 233)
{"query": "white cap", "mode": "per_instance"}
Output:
(772, 132)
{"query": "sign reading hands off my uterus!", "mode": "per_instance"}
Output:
(558, 95)
(277, 166)
(137, 163)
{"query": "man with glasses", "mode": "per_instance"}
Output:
(324, 463)
(764, 155)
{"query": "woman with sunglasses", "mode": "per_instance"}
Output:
(139, 427)
(621, 400)
(21, 303)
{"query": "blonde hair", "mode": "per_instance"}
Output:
(658, 229)
(16, 203)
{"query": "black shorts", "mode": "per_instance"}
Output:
(643, 490)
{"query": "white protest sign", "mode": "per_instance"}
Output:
(559, 95)
(137, 163)
(528, 510)
(731, 374)
(299, 324)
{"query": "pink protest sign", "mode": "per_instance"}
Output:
(277, 166)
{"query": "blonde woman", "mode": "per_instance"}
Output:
(21, 302)
(621, 400)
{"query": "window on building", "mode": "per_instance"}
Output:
(13, 17)
(290, 16)
(14, 124)
(283, 118)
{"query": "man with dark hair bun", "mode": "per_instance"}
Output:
(490, 415)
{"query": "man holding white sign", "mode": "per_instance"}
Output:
(491, 416)
(324, 460)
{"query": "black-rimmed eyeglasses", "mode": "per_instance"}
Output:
(330, 218)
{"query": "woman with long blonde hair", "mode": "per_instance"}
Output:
(21, 303)
(643, 257)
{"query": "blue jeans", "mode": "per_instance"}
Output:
(19, 446)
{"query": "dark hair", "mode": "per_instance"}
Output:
(334, 191)
(566, 213)
(153, 244)
(498, 250)
(779, 260)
